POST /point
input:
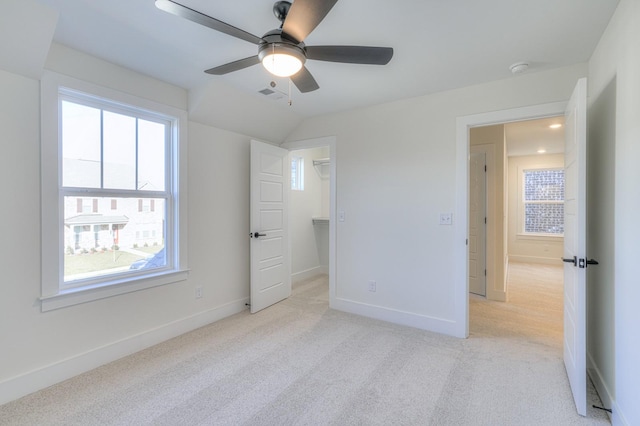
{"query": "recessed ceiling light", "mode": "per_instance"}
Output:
(555, 126)
(542, 151)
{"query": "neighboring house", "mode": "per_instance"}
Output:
(101, 223)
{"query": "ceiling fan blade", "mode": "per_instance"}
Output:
(304, 81)
(234, 66)
(351, 54)
(202, 19)
(304, 16)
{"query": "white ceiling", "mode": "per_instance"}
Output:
(529, 137)
(439, 44)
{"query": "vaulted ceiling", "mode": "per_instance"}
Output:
(438, 44)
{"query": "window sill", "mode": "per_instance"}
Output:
(539, 237)
(76, 296)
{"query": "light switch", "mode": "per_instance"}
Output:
(446, 218)
(341, 216)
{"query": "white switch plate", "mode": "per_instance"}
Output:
(341, 216)
(446, 218)
(372, 286)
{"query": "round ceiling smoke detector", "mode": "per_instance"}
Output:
(519, 67)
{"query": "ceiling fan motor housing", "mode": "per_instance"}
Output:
(281, 9)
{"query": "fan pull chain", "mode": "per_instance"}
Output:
(290, 102)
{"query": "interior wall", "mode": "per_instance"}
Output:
(397, 173)
(309, 241)
(525, 248)
(39, 349)
(614, 230)
(494, 136)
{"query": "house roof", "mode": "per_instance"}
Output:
(95, 219)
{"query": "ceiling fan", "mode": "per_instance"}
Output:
(282, 50)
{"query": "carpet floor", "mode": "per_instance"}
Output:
(300, 363)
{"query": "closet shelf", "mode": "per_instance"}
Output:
(322, 167)
(320, 220)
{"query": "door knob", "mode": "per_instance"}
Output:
(592, 262)
(574, 260)
(257, 234)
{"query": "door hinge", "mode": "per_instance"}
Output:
(485, 168)
(485, 272)
(485, 220)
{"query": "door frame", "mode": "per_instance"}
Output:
(329, 141)
(461, 231)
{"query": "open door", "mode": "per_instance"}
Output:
(270, 269)
(575, 259)
(477, 223)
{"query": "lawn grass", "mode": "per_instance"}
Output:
(149, 249)
(99, 261)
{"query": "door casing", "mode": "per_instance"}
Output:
(329, 141)
(461, 231)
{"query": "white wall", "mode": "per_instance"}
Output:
(39, 349)
(614, 286)
(524, 248)
(309, 242)
(396, 168)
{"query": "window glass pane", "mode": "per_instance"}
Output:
(544, 218)
(544, 185)
(119, 150)
(80, 145)
(151, 155)
(113, 241)
(297, 173)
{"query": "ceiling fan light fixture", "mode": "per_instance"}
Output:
(282, 64)
(282, 60)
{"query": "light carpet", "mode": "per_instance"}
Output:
(300, 363)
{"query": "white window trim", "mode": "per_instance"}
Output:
(53, 296)
(521, 234)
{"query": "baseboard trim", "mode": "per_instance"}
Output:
(24, 384)
(617, 417)
(598, 382)
(437, 325)
(496, 295)
(535, 259)
(309, 273)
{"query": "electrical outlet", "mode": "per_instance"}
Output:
(372, 286)
(199, 292)
(446, 218)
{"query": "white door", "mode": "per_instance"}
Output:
(270, 268)
(477, 223)
(575, 245)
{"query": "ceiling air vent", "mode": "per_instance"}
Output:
(275, 95)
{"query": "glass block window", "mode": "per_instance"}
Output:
(543, 199)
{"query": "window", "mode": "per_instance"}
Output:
(118, 220)
(543, 201)
(297, 173)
